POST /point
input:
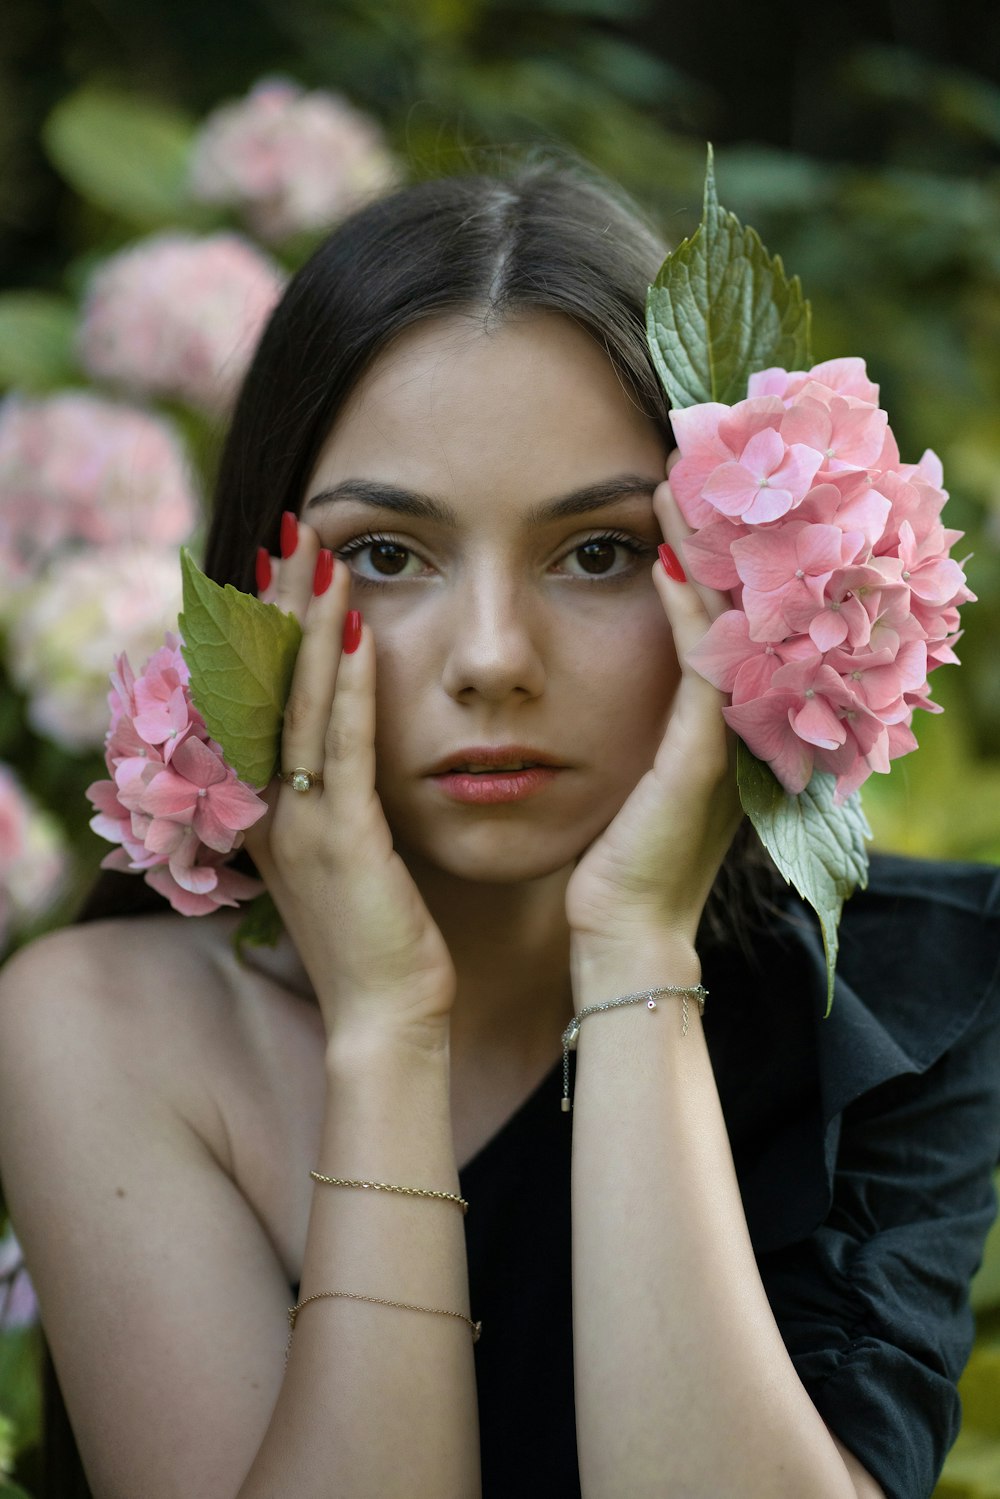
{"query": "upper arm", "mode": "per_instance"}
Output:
(161, 1296)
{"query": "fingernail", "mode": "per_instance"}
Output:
(263, 569)
(671, 566)
(289, 533)
(352, 631)
(323, 572)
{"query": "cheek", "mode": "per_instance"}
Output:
(632, 671)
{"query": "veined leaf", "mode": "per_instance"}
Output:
(721, 309)
(819, 847)
(240, 653)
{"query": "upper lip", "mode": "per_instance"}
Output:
(491, 755)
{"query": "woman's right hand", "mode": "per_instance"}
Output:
(377, 961)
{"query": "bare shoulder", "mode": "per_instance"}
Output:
(164, 998)
(138, 1145)
(131, 995)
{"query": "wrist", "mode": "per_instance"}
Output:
(351, 1052)
(604, 967)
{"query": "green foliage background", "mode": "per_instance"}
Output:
(898, 249)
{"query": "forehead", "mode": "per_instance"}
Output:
(530, 407)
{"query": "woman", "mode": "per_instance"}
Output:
(740, 1265)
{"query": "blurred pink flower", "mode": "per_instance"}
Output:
(837, 564)
(85, 606)
(18, 1303)
(32, 857)
(179, 316)
(289, 160)
(76, 469)
(175, 822)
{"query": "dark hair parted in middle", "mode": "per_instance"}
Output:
(545, 238)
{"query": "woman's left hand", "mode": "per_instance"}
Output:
(652, 868)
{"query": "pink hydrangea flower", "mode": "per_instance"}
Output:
(177, 315)
(837, 563)
(69, 623)
(289, 160)
(173, 805)
(33, 858)
(78, 470)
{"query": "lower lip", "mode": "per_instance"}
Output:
(499, 786)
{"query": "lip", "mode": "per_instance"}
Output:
(492, 786)
(494, 756)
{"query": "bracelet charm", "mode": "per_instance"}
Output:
(571, 1034)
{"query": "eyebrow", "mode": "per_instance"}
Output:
(407, 502)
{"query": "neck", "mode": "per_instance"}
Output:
(510, 946)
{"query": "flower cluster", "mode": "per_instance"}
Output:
(835, 557)
(77, 470)
(179, 316)
(32, 858)
(71, 623)
(291, 161)
(173, 804)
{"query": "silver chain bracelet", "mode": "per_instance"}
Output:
(572, 1032)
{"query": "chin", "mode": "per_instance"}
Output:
(494, 856)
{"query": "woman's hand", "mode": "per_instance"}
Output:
(376, 959)
(652, 868)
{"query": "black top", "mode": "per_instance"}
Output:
(864, 1145)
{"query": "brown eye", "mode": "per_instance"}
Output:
(597, 556)
(387, 558)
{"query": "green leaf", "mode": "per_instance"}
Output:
(721, 309)
(36, 340)
(240, 653)
(20, 1385)
(261, 925)
(818, 847)
(124, 154)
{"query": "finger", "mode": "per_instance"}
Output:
(686, 611)
(314, 678)
(675, 531)
(349, 763)
(292, 575)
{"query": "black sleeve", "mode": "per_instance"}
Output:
(873, 1305)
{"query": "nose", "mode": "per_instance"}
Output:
(494, 647)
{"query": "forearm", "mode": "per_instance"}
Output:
(379, 1401)
(683, 1384)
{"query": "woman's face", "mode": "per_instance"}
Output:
(491, 493)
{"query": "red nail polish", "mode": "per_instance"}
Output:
(289, 533)
(323, 572)
(263, 569)
(352, 631)
(671, 565)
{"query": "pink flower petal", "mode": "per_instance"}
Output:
(764, 726)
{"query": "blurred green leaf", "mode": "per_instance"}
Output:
(123, 153)
(36, 341)
(20, 1383)
(972, 1470)
(986, 1286)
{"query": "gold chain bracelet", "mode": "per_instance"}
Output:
(342, 1181)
